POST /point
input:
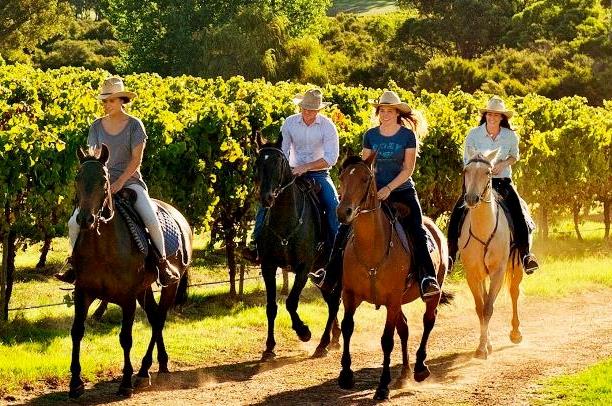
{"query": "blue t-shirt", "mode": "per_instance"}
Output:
(390, 153)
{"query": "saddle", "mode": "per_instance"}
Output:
(173, 237)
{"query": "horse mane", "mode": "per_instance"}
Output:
(351, 160)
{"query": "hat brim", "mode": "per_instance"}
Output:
(116, 95)
(299, 101)
(507, 113)
(403, 107)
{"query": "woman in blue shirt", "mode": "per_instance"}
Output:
(396, 146)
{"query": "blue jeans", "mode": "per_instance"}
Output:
(329, 200)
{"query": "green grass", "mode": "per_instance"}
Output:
(35, 344)
(593, 386)
(362, 6)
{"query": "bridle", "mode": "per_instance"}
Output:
(108, 200)
(368, 191)
(487, 187)
(283, 165)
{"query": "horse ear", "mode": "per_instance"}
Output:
(490, 156)
(104, 154)
(259, 139)
(81, 155)
(371, 159)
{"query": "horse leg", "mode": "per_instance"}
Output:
(301, 276)
(125, 338)
(97, 315)
(333, 303)
(517, 275)
(478, 292)
(81, 306)
(402, 330)
(386, 342)
(421, 370)
(147, 301)
(166, 301)
(346, 380)
(269, 275)
(497, 279)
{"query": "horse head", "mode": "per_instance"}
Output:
(477, 177)
(93, 188)
(272, 173)
(358, 188)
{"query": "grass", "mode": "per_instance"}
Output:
(589, 387)
(362, 6)
(212, 328)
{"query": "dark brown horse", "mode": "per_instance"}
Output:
(110, 267)
(377, 269)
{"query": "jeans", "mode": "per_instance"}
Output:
(328, 197)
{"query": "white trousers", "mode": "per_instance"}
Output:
(145, 208)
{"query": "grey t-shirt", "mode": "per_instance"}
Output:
(120, 147)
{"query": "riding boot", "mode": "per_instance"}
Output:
(251, 254)
(428, 285)
(327, 278)
(529, 261)
(70, 275)
(168, 274)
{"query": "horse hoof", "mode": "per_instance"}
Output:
(334, 346)
(77, 391)
(304, 333)
(480, 354)
(141, 382)
(516, 337)
(420, 376)
(125, 391)
(268, 355)
(346, 380)
(163, 369)
(320, 352)
(381, 394)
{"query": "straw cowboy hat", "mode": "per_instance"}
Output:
(390, 98)
(496, 105)
(311, 100)
(113, 87)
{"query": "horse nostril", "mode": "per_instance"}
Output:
(90, 220)
(349, 211)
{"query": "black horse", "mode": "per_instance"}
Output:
(291, 235)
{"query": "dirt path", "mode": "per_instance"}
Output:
(560, 336)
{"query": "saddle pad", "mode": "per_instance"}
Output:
(170, 230)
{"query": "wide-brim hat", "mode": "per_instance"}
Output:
(114, 87)
(390, 98)
(496, 105)
(311, 100)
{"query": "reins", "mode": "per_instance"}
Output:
(108, 200)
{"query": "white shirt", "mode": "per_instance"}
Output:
(303, 143)
(506, 141)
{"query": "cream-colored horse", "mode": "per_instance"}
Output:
(485, 248)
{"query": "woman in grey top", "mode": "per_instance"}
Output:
(125, 137)
(494, 132)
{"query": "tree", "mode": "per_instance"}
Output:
(26, 23)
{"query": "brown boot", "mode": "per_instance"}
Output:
(251, 255)
(69, 276)
(168, 274)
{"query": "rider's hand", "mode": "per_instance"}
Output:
(117, 186)
(299, 170)
(384, 193)
(498, 167)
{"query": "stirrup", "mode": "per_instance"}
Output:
(318, 277)
(426, 295)
(530, 263)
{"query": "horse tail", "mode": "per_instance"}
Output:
(181, 291)
(446, 297)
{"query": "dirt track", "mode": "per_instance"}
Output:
(560, 336)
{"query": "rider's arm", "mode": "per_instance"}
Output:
(137, 154)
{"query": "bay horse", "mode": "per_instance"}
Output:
(109, 266)
(484, 243)
(378, 270)
(290, 236)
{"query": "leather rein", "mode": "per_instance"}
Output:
(108, 200)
